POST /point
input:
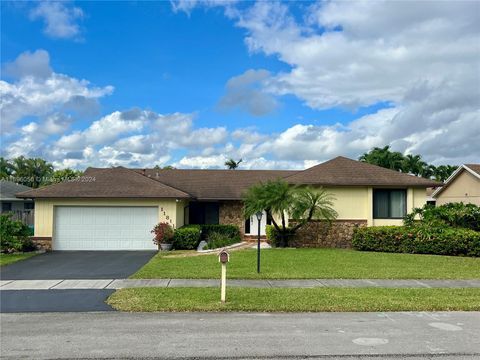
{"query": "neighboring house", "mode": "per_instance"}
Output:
(116, 208)
(462, 186)
(21, 208)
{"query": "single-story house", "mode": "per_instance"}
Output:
(462, 186)
(22, 209)
(115, 208)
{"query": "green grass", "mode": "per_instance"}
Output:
(290, 300)
(313, 264)
(6, 259)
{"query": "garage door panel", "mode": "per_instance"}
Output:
(104, 228)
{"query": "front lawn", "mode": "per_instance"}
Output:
(6, 259)
(290, 300)
(313, 264)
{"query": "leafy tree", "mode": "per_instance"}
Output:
(443, 172)
(6, 168)
(413, 164)
(62, 175)
(31, 171)
(428, 171)
(384, 157)
(232, 164)
(278, 198)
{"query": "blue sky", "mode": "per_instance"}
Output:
(261, 81)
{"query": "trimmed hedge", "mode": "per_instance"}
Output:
(228, 231)
(273, 235)
(187, 237)
(418, 239)
(217, 240)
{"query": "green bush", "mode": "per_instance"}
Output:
(420, 239)
(228, 231)
(217, 240)
(452, 214)
(14, 235)
(273, 236)
(187, 237)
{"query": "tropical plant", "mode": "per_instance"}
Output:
(413, 164)
(63, 175)
(163, 233)
(14, 235)
(6, 168)
(384, 157)
(232, 164)
(279, 199)
(443, 172)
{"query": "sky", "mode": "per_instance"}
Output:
(282, 85)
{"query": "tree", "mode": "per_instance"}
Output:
(443, 172)
(384, 157)
(278, 198)
(31, 172)
(428, 171)
(232, 164)
(413, 164)
(63, 175)
(6, 168)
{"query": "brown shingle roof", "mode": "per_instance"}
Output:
(214, 184)
(342, 171)
(474, 167)
(107, 183)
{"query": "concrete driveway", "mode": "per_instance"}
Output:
(68, 265)
(77, 265)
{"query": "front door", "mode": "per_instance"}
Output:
(254, 224)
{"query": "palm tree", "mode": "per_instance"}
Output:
(384, 157)
(232, 164)
(443, 172)
(278, 198)
(413, 164)
(428, 171)
(32, 172)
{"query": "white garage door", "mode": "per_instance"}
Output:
(104, 228)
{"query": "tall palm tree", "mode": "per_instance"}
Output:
(232, 164)
(384, 157)
(443, 172)
(278, 198)
(413, 164)
(6, 168)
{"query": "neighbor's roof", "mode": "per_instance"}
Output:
(214, 184)
(107, 183)
(219, 184)
(473, 169)
(342, 171)
(8, 189)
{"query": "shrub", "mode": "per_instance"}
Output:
(420, 239)
(14, 235)
(163, 233)
(228, 231)
(273, 236)
(187, 237)
(217, 240)
(451, 214)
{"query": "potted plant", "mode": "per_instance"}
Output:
(163, 236)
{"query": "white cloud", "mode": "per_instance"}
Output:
(60, 20)
(36, 64)
(35, 95)
(246, 93)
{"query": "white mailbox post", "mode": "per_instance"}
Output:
(223, 258)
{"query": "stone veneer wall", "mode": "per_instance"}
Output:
(320, 233)
(42, 243)
(231, 213)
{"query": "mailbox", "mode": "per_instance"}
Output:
(224, 257)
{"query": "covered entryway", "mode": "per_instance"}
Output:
(104, 228)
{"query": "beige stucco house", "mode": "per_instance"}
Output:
(462, 186)
(115, 208)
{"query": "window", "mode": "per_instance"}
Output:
(28, 206)
(6, 206)
(389, 203)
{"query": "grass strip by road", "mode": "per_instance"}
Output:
(6, 259)
(295, 300)
(312, 264)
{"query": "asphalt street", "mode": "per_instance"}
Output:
(412, 335)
